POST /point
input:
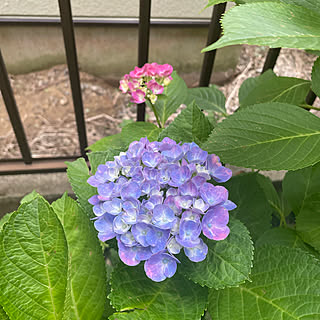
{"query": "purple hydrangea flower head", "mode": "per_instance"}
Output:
(156, 200)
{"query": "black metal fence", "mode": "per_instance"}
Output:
(28, 164)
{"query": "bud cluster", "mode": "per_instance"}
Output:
(156, 199)
(146, 82)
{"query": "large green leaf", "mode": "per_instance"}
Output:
(137, 130)
(316, 77)
(300, 184)
(278, 89)
(209, 99)
(268, 136)
(250, 84)
(308, 221)
(78, 174)
(190, 125)
(228, 262)
(310, 4)
(33, 263)
(285, 285)
(87, 266)
(284, 237)
(138, 298)
(271, 24)
(174, 95)
(130, 132)
(110, 142)
(253, 207)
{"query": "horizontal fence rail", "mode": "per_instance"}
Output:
(28, 164)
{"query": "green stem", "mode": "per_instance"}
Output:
(156, 114)
(307, 106)
(283, 222)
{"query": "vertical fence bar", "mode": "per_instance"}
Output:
(143, 47)
(72, 61)
(213, 35)
(13, 112)
(271, 59)
(311, 97)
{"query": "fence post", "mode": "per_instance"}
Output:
(72, 61)
(271, 59)
(143, 46)
(13, 113)
(213, 35)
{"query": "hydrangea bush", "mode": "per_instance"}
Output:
(155, 199)
(160, 230)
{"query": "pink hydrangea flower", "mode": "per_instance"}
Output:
(124, 86)
(165, 70)
(146, 82)
(151, 69)
(138, 96)
(155, 87)
(137, 72)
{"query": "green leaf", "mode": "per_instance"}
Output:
(87, 266)
(285, 285)
(300, 184)
(190, 125)
(136, 297)
(111, 142)
(137, 130)
(270, 192)
(174, 95)
(33, 263)
(284, 237)
(308, 221)
(277, 89)
(276, 200)
(78, 174)
(268, 136)
(311, 4)
(131, 132)
(270, 24)
(29, 197)
(316, 77)
(3, 315)
(253, 208)
(209, 99)
(5, 219)
(228, 262)
(250, 84)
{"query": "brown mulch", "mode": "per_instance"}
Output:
(45, 103)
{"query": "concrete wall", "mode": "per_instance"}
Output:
(107, 51)
(106, 8)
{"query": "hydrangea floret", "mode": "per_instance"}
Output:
(146, 82)
(157, 199)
